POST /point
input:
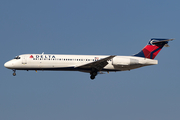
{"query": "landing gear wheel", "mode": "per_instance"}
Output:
(14, 74)
(92, 77)
(93, 74)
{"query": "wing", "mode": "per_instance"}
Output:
(98, 65)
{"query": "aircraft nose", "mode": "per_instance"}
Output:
(8, 64)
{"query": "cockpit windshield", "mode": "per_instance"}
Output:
(17, 57)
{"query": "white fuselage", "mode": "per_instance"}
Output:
(72, 62)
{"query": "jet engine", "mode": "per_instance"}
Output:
(124, 61)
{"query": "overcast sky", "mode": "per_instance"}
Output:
(102, 27)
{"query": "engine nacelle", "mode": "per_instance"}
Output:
(124, 61)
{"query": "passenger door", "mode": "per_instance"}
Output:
(24, 60)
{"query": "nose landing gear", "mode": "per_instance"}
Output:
(14, 74)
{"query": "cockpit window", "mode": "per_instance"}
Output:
(17, 57)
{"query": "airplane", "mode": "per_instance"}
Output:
(92, 64)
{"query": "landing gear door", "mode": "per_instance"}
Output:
(24, 60)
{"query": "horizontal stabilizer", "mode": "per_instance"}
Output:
(161, 40)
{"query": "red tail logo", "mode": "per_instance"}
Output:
(153, 48)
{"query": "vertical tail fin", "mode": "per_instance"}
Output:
(153, 47)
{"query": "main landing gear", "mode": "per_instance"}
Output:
(93, 75)
(14, 74)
